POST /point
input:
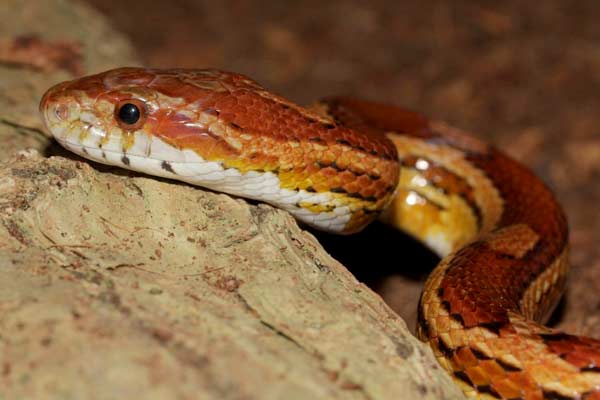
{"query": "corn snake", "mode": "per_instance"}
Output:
(342, 163)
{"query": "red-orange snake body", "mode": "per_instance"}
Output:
(342, 163)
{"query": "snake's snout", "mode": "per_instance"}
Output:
(57, 109)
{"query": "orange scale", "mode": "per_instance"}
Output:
(312, 169)
(492, 368)
(331, 182)
(478, 376)
(347, 177)
(369, 191)
(330, 173)
(307, 157)
(328, 158)
(508, 389)
(524, 381)
(353, 187)
(345, 159)
(299, 154)
(464, 356)
(319, 178)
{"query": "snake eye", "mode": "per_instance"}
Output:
(130, 114)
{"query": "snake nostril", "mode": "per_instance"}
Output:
(61, 111)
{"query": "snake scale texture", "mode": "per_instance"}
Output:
(342, 163)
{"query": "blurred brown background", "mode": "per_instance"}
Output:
(523, 75)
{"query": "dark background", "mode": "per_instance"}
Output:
(522, 75)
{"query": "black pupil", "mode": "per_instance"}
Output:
(129, 113)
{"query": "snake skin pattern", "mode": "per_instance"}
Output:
(342, 163)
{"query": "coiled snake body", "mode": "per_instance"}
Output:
(337, 166)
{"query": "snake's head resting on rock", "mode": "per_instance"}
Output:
(225, 132)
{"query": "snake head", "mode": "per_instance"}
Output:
(138, 118)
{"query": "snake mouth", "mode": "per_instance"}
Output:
(183, 167)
